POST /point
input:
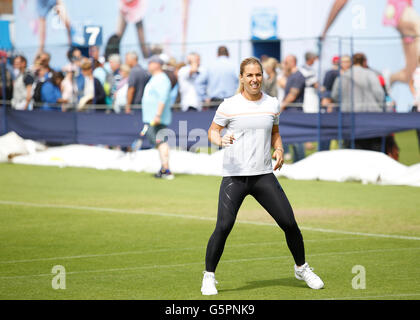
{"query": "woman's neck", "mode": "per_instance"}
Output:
(252, 97)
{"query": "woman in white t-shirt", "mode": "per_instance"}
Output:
(251, 118)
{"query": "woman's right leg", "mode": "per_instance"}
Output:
(121, 25)
(232, 193)
(409, 28)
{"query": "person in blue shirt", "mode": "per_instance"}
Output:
(51, 92)
(219, 81)
(156, 112)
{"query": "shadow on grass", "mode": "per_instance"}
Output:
(284, 282)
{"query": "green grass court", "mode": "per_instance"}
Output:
(125, 235)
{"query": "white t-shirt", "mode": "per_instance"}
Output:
(251, 123)
(187, 89)
(89, 89)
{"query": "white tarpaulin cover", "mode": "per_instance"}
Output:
(336, 165)
(11, 144)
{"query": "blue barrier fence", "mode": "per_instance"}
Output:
(191, 127)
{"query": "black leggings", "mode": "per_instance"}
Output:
(268, 192)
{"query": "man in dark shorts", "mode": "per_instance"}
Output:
(156, 111)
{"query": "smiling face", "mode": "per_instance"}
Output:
(251, 79)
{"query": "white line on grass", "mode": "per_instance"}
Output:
(370, 297)
(148, 267)
(100, 255)
(174, 215)
(376, 235)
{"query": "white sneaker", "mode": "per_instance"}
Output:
(306, 273)
(208, 286)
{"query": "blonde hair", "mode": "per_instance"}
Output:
(270, 63)
(244, 63)
(125, 68)
(86, 64)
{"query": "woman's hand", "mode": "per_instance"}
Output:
(278, 155)
(227, 140)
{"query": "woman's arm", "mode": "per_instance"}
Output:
(215, 137)
(335, 10)
(277, 144)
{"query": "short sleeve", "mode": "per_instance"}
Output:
(28, 79)
(221, 117)
(298, 82)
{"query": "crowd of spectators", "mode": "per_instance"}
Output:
(111, 84)
(114, 85)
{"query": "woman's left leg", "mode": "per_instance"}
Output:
(268, 192)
